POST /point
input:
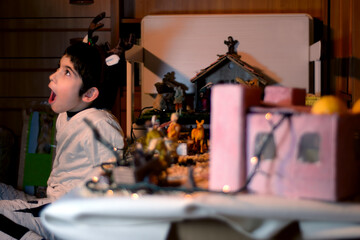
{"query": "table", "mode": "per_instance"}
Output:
(84, 215)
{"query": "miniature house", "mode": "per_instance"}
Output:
(228, 68)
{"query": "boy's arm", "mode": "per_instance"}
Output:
(98, 153)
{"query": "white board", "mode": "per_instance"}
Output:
(277, 44)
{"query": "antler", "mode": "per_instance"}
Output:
(95, 25)
(118, 52)
(123, 45)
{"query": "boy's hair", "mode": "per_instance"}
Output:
(88, 62)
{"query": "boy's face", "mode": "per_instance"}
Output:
(65, 85)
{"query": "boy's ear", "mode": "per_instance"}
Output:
(90, 95)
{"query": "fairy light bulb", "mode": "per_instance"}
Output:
(268, 116)
(187, 196)
(134, 196)
(254, 160)
(226, 188)
(95, 179)
(110, 192)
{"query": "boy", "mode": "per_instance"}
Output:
(75, 94)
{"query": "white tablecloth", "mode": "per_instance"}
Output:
(81, 215)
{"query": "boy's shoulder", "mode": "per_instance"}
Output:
(96, 113)
(96, 116)
(103, 120)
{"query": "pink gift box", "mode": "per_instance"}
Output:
(284, 96)
(229, 104)
(307, 156)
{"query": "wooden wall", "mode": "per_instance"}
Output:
(137, 9)
(141, 8)
(354, 75)
(344, 69)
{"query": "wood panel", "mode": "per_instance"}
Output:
(52, 9)
(115, 23)
(141, 8)
(341, 17)
(49, 24)
(41, 44)
(14, 64)
(355, 51)
(121, 108)
(23, 103)
(25, 84)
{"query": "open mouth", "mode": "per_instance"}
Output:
(52, 97)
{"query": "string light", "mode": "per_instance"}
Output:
(151, 188)
(134, 196)
(254, 160)
(187, 196)
(226, 188)
(268, 116)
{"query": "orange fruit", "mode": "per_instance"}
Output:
(329, 105)
(356, 107)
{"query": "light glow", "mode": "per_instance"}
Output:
(254, 160)
(268, 116)
(226, 188)
(187, 196)
(95, 179)
(134, 196)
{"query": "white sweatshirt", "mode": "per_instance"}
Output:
(78, 153)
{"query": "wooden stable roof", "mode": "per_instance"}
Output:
(233, 58)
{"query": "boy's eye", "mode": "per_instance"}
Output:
(67, 72)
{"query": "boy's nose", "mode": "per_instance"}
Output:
(52, 77)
